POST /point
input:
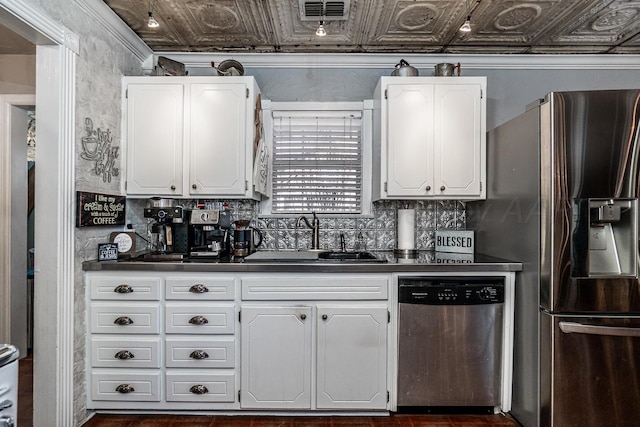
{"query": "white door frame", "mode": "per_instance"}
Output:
(57, 47)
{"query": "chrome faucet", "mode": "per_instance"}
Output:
(314, 225)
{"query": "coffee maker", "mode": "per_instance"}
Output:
(209, 233)
(169, 231)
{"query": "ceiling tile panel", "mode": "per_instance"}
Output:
(601, 24)
(412, 26)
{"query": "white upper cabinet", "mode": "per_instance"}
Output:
(190, 136)
(155, 138)
(429, 138)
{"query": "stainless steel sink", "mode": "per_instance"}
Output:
(358, 256)
(313, 256)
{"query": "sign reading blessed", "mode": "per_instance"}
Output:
(95, 209)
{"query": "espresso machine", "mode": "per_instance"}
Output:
(168, 231)
(209, 233)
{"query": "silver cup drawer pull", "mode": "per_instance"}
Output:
(123, 321)
(125, 388)
(199, 389)
(123, 289)
(198, 320)
(124, 355)
(198, 288)
(199, 355)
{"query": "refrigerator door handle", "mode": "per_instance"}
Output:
(579, 328)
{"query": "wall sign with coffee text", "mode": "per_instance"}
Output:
(97, 209)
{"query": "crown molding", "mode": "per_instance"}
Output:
(101, 13)
(387, 61)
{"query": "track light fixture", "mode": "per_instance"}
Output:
(466, 27)
(321, 32)
(151, 22)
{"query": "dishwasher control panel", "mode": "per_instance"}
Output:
(451, 291)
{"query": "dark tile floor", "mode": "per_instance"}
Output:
(25, 416)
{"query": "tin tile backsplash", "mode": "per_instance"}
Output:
(375, 232)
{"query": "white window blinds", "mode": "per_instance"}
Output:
(317, 161)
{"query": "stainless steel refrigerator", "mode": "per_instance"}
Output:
(562, 198)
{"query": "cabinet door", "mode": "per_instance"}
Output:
(352, 357)
(217, 139)
(457, 147)
(276, 357)
(410, 140)
(155, 115)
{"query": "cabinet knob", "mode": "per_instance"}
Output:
(198, 320)
(125, 388)
(124, 355)
(325, 317)
(194, 186)
(123, 321)
(123, 289)
(428, 188)
(199, 355)
(303, 316)
(199, 389)
(442, 188)
(198, 288)
(173, 187)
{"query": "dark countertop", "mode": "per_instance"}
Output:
(424, 262)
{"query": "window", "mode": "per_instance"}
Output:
(317, 158)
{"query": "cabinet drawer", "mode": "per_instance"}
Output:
(125, 352)
(319, 287)
(113, 318)
(200, 288)
(125, 385)
(190, 386)
(200, 318)
(217, 352)
(125, 288)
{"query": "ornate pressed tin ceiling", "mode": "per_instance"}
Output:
(412, 26)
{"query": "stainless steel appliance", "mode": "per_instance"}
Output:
(450, 342)
(209, 235)
(562, 198)
(8, 385)
(168, 230)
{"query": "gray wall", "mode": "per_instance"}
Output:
(101, 62)
(509, 91)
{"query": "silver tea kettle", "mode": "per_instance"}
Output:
(403, 69)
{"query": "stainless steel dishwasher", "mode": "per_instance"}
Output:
(450, 342)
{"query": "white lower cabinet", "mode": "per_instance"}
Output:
(198, 386)
(162, 341)
(351, 357)
(314, 354)
(276, 357)
(209, 342)
(125, 385)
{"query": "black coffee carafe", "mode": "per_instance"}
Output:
(244, 238)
